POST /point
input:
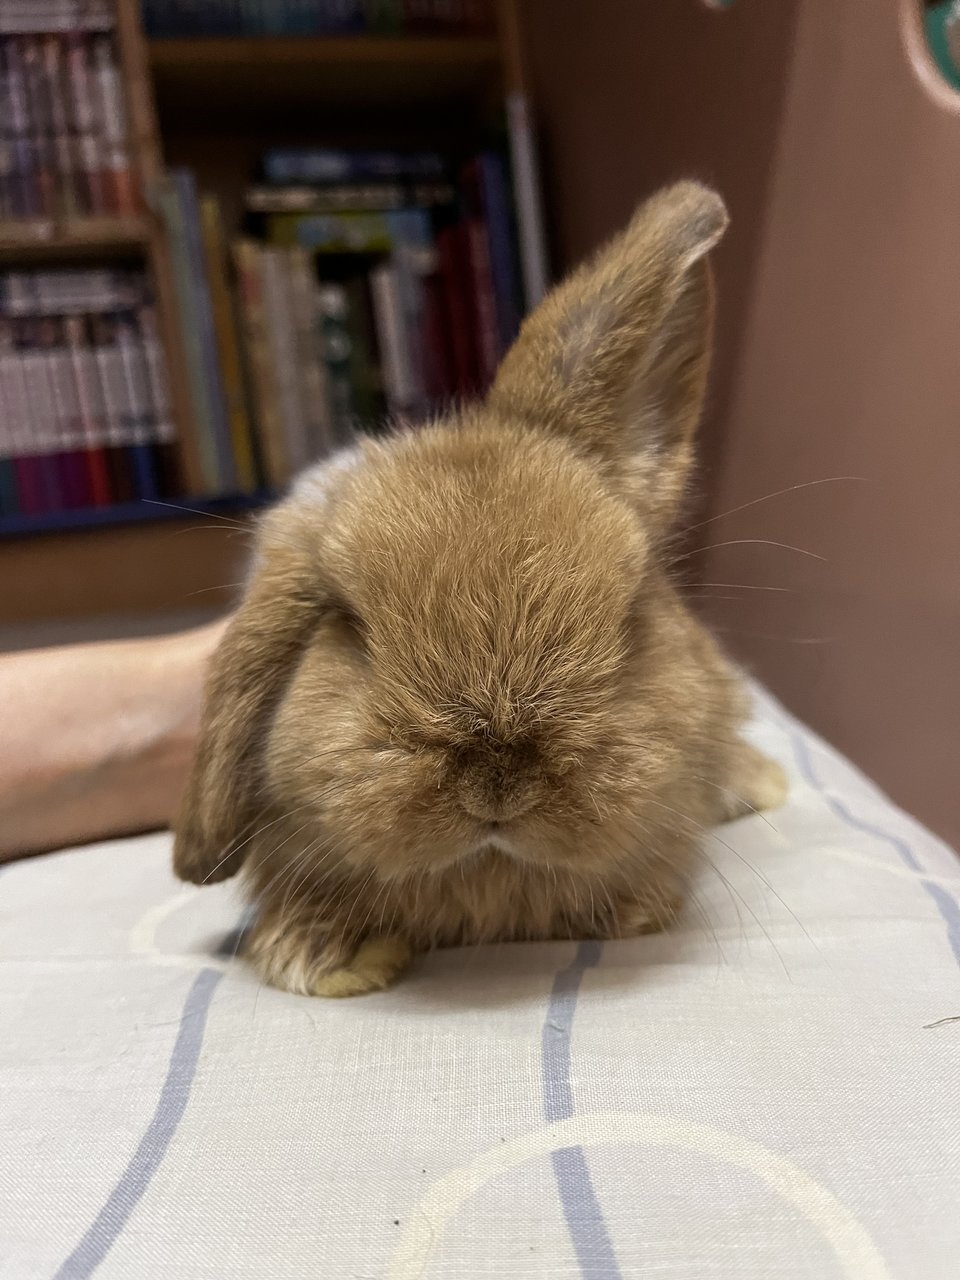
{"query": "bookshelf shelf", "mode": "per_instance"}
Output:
(303, 71)
(46, 238)
(122, 513)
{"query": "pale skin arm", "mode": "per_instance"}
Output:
(96, 739)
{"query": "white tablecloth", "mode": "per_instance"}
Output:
(770, 1091)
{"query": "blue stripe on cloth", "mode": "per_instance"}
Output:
(946, 904)
(582, 1211)
(133, 1182)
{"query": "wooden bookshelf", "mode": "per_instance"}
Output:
(81, 237)
(214, 104)
(137, 512)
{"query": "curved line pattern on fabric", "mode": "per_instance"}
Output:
(857, 1256)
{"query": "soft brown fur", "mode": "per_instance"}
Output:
(462, 700)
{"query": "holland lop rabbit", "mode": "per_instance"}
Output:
(461, 700)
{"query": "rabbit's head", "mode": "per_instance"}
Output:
(462, 636)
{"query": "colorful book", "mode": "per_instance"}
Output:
(90, 409)
(111, 119)
(185, 283)
(228, 345)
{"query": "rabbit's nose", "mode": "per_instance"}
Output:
(490, 800)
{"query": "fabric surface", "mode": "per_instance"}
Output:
(770, 1090)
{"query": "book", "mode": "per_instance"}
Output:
(208, 439)
(350, 197)
(91, 164)
(108, 360)
(276, 469)
(90, 409)
(41, 443)
(140, 425)
(526, 185)
(65, 425)
(172, 463)
(204, 329)
(326, 165)
(111, 122)
(282, 345)
(68, 195)
(399, 375)
(453, 254)
(34, 17)
(336, 348)
(23, 182)
(486, 190)
(40, 125)
(304, 293)
(228, 345)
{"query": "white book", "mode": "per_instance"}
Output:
(399, 374)
(526, 188)
(312, 377)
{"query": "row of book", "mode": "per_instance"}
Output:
(85, 413)
(343, 306)
(317, 17)
(63, 131)
(27, 17)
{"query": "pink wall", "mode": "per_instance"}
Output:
(838, 351)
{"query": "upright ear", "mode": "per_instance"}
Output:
(616, 356)
(220, 810)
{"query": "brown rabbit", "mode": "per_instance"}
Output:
(462, 700)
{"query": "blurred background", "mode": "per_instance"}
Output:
(234, 232)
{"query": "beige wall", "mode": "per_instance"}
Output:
(838, 351)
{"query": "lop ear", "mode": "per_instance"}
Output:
(616, 357)
(250, 668)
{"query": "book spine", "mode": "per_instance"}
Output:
(25, 184)
(206, 340)
(116, 412)
(40, 125)
(314, 396)
(71, 462)
(282, 340)
(91, 170)
(484, 300)
(248, 257)
(140, 424)
(9, 445)
(228, 349)
(440, 370)
(460, 324)
(526, 186)
(111, 117)
(170, 462)
(206, 448)
(327, 165)
(63, 152)
(336, 348)
(43, 443)
(496, 210)
(90, 409)
(366, 374)
(18, 424)
(399, 376)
